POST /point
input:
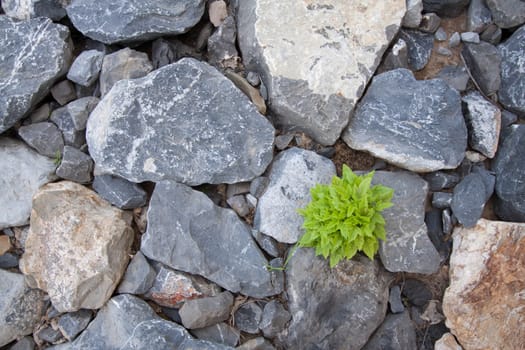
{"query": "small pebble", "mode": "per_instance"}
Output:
(253, 79)
(441, 34)
(443, 51)
(455, 40)
(470, 37)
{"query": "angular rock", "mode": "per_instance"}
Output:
(72, 119)
(492, 34)
(441, 200)
(219, 333)
(395, 58)
(441, 34)
(77, 248)
(139, 276)
(35, 54)
(248, 317)
(239, 205)
(268, 244)
(8, 260)
(23, 9)
(416, 292)
(259, 185)
(447, 342)
(217, 11)
(484, 303)
(394, 300)
(26, 343)
(22, 171)
(221, 44)
(250, 91)
(419, 48)
(395, 333)
(447, 221)
(274, 319)
(470, 37)
(508, 118)
(86, 67)
(454, 40)
(258, 343)
(330, 59)
(64, 92)
(72, 323)
(507, 14)
(430, 23)
(48, 335)
(483, 61)
(416, 125)
(75, 166)
(294, 172)
(440, 180)
(180, 222)
(172, 124)
(40, 114)
(204, 312)
(446, 8)
(44, 137)
(5, 244)
(512, 89)
(478, 16)
(455, 76)
(413, 16)
(129, 20)
(120, 192)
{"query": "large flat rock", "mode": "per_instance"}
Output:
(184, 122)
(315, 58)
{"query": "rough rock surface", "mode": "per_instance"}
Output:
(181, 224)
(44, 137)
(419, 47)
(75, 166)
(417, 125)
(294, 172)
(483, 61)
(512, 89)
(329, 58)
(203, 312)
(86, 67)
(469, 198)
(507, 14)
(139, 276)
(484, 303)
(335, 308)
(77, 247)
(120, 192)
(178, 126)
(120, 21)
(22, 172)
(26, 9)
(35, 53)
(447, 342)
(478, 16)
(395, 333)
(219, 333)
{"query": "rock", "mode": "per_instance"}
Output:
(123, 64)
(274, 319)
(162, 53)
(402, 121)
(430, 23)
(478, 16)
(22, 171)
(395, 58)
(231, 259)
(443, 51)
(5, 244)
(510, 181)
(139, 276)
(134, 325)
(190, 135)
(221, 44)
(72, 119)
(441, 180)
(440, 34)
(395, 333)
(508, 118)
(282, 141)
(24, 10)
(40, 114)
(394, 300)
(413, 16)
(203, 35)
(294, 172)
(86, 67)
(469, 200)
(417, 292)
(441, 200)
(217, 11)
(447, 342)
(77, 248)
(248, 317)
(20, 307)
(258, 185)
(35, 54)
(252, 201)
(432, 314)
(454, 40)
(8, 260)
(492, 34)
(470, 37)
(330, 59)
(239, 205)
(253, 78)
(207, 311)
(507, 14)
(447, 221)
(48, 335)
(75, 166)
(331, 306)
(258, 343)
(250, 91)
(128, 20)
(419, 47)
(455, 76)
(218, 333)
(44, 137)
(268, 244)
(120, 192)
(512, 90)
(64, 92)
(483, 61)
(72, 323)
(26, 343)
(484, 303)
(445, 8)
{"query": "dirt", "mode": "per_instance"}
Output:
(355, 160)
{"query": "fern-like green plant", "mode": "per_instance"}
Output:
(345, 217)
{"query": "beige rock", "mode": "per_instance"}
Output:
(447, 342)
(77, 247)
(5, 244)
(217, 11)
(250, 91)
(485, 302)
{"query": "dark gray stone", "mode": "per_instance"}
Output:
(413, 16)
(48, 335)
(478, 16)
(488, 178)
(274, 319)
(120, 192)
(483, 61)
(434, 221)
(507, 13)
(258, 343)
(445, 8)
(397, 57)
(419, 47)
(268, 244)
(72, 323)
(258, 186)
(23, 9)
(416, 292)
(492, 34)
(41, 114)
(454, 40)
(441, 34)
(447, 221)
(207, 311)
(173, 124)
(8, 260)
(75, 166)
(26, 343)
(443, 51)
(282, 141)
(510, 179)
(441, 180)
(469, 200)
(455, 76)
(508, 118)
(430, 23)
(220, 333)
(162, 53)
(86, 67)
(221, 44)
(72, 118)
(35, 54)
(441, 200)
(416, 125)
(253, 78)
(179, 224)
(247, 317)
(64, 92)
(44, 137)
(139, 276)
(394, 300)
(239, 205)
(512, 90)
(395, 333)
(130, 20)
(470, 37)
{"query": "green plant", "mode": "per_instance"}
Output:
(58, 158)
(345, 217)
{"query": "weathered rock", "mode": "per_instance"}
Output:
(394, 300)
(5, 244)
(416, 292)
(44, 137)
(158, 128)
(395, 333)
(331, 306)
(508, 118)
(239, 204)
(48, 335)
(417, 125)
(120, 192)
(430, 23)
(329, 58)
(86, 67)
(455, 76)
(512, 89)
(35, 54)
(446, 8)
(447, 342)
(294, 172)
(419, 47)
(507, 14)
(483, 61)
(441, 200)
(217, 11)
(454, 40)
(72, 323)
(440, 34)
(258, 343)
(440, 180)
(484, 303)
(77, 248)
(8, 260)
(492, 34)
(139, 276)
(22, 171)
(207, 311)
(40, 114)
(63, 92)
(20, 307)
(397, 57)
(274, 319)
(72, 119)
(478, 16)
(221, 44)
(23, 9)
(470, 37)
(26, 343)
(219, 333)
(129, 20)
(483, 121)
(248, 317)
(413, 16)
(75, 166)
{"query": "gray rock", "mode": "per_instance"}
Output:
(443, 51)
(512, 90)
(447, 221)
(397, 57)
(441, 180)
(416, 292)
(44, 137)
(247, 318)
(430, 23)
(394, 300)
(330, 59)
(237, 189)
(441, 200)
(158, 128)
(268, 244)
(455, 76)
(274, 319)
(72, 323)
(258, 186)
(294, 172)
(508, 118)
(478, 16)
(403, 121)
(217, 11)
(139, 276)
(162, 53)
(22, 171)
(470, 37)
(221, 44)
(75, 166)
(64, 92)
(469, 200)
(282, 141)
(239, 204)
(397, 332)
(253, 78)
(123, 64)
(207, 311)
(507, 14)
(483, 120)
(20, 307)
(331, 306)
(35, 53)
(184, 218)
(434, 221)
(258, 343)
(510, 181)
(413, 16)
(488, 178)
(492, 34)
(72, 119)
(86, 67)
(441, 34)
(23, 9)
(48, 335)
(120, 192)
(454, 40)
(132, 20)
(220, 333)
(8, 260)
(26, 343)
(40, 114)
(419, 47)
(445, 8)
(483, 61)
